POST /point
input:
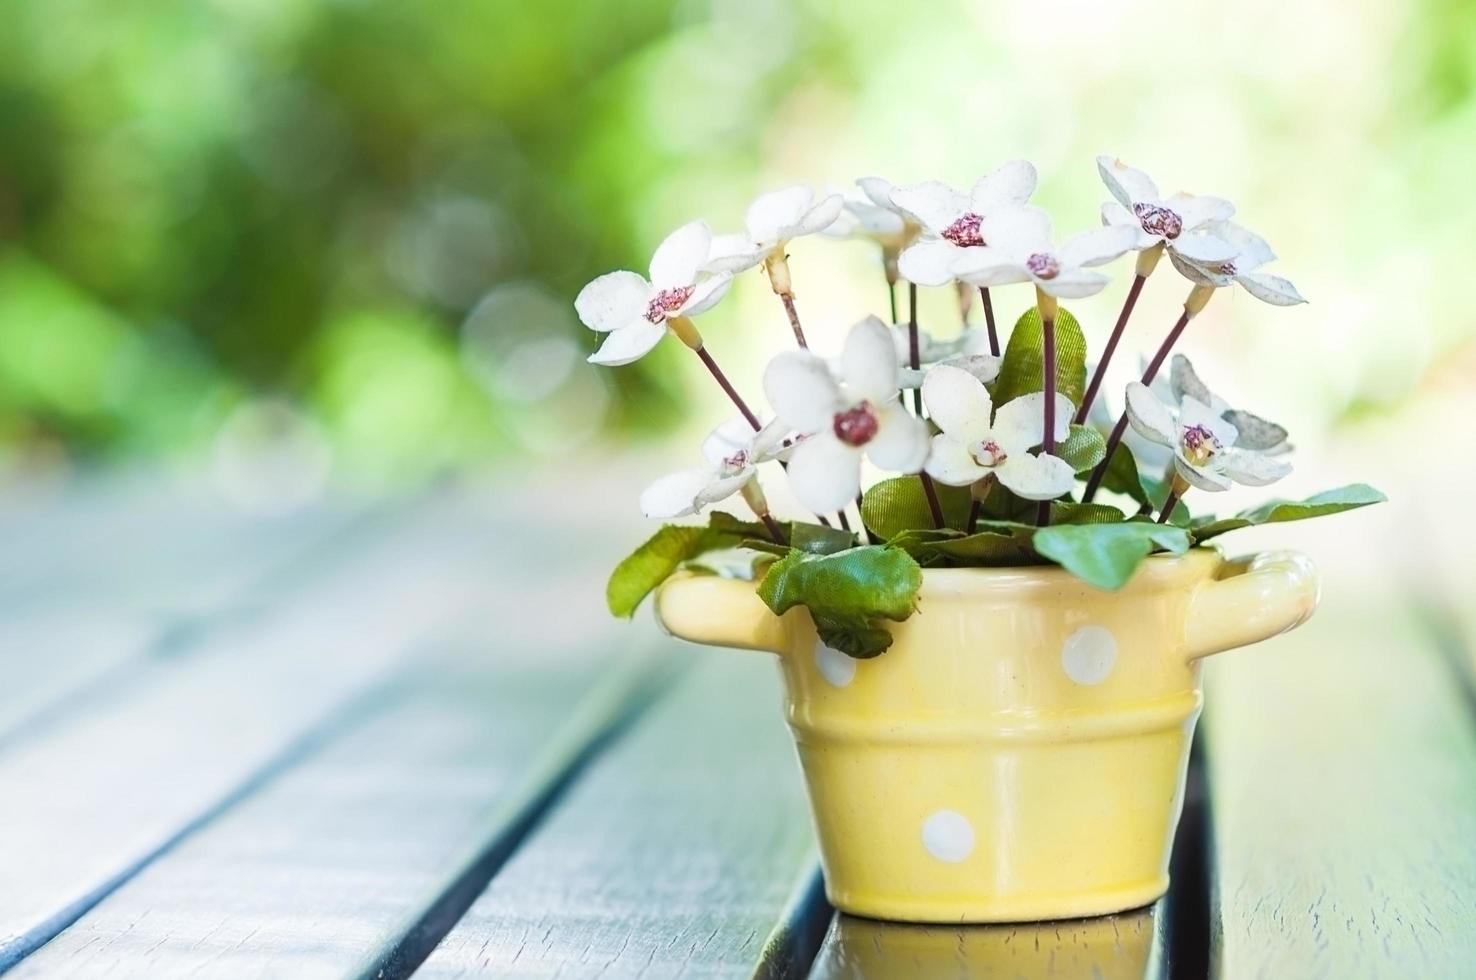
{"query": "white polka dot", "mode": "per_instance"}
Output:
(834, 666)
(948, 836)
(1089, 654)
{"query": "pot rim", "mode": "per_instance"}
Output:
(1157, 573)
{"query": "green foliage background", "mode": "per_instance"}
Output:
(375, 214)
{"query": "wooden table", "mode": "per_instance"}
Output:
(375, 739)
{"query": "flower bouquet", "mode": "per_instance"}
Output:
(1040, 589)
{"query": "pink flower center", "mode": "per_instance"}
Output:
(988, 453)
(1158, 221)
(1199, 444)
(1043, 266)
(855, 426)
(1227, 268)
(733, 464)
(964, 232)
(667, 302)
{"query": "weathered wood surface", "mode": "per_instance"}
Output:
(678, 854)
(1342, 765)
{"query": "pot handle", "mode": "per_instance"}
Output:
(1251, 599)
(721, 612)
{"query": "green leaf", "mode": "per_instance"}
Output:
(848, 594)
(1084, 448)
(1122, 476)
(898, 504)
(1351, 497)
(820, 540)
(1022, 370)
(653, 562)
(1074, 513)
(1106, 555)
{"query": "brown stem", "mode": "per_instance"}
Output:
(989, 320)
(1169, 503)
(912, 348)
(861, 519)
(840, 516)
(1120, 429)
(974, 507)
(892, 298)
(722, 380)
(1090, 397)
(775, 531)
(934, 508)
(1048, 377)
(799, 333)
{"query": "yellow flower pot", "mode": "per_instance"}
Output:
(1020, 751)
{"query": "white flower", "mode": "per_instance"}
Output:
(952, 220)
(1205, 454)
(978, 441)
(634, 311)
(1182, 223)
(842, 422)
(733, 451)
(1020, 250)
(968, 350)
(875, 217)
(769, 224)
(1251, 253)
(1255, 432)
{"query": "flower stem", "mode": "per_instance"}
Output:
(728, 389)
(974, 507)
(934, 508)
(841, 518)
(861, 519)
(1047, 306)
(1122, 318)
(912, 346)
(794, 323)
(989, 320)
(775, 531)
(1149, 373)
(892, 298)
(1169, 503)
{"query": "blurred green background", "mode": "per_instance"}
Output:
(356, 228)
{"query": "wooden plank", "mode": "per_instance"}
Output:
(90, 803)
(677, 854)
(1342, 762)
(324, 866)
(1114, 947)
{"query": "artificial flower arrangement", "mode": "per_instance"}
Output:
(1003, 451)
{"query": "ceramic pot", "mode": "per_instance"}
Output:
(1020, 752)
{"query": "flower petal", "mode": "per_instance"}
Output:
(825, 473)
(727, 440)
(1019, 424)
(612, 301)
(1251, 250)
(724, 487)
(818, 217)
(1251, 468)
(629, 343)
(1194, 412)
(1197, 274)
(869, 361)
(1073, 284)
(1255, 433)
(1203, 247)
(1150, 417)
(933, 203)
(1184, 383)
(680, 255)
(771, 215)
(1195, 210)
(901, 440)
(1270, 289)
(928, 262)
(1036, 477)
(878, 191)
(1098, 246)
(710, 289)
(985, 367)
(1017, 231)
(733, 253)
(801, 390)
(1198, 476)
(957, 402)
(675, 495)
(1125, 183)
(985, 267)
(1009, 184)
(951, 463)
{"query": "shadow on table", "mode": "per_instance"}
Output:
(1115, 947)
